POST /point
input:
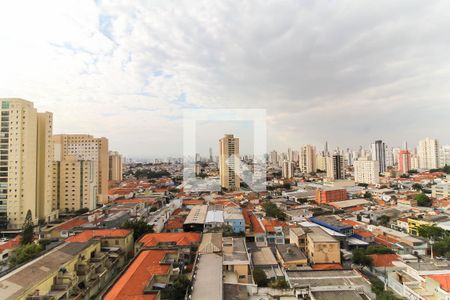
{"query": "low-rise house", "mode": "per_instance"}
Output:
(233, 217)
(333, 223)
(69, 271)
(186, 242)
(236, 261)
(109, 238)
(321, 247)
(297, 236)
(290, 256)
(148, 274)
(264, 259)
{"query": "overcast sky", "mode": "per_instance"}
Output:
(348, 72)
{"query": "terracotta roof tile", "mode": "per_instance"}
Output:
(132, 283)
(90, 234)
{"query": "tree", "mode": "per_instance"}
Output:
(139, 227)
(260, 277)
(367, 195)
(361, 258)
(24, 253)
(423, 200)
(378, 249)
(27, 229)
(177, 290)
(280, 283)
(432, 231)
(383, 220)
(417, 186)
(273, 211)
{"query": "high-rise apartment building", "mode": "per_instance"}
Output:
(428, 153)
(25, 163)
(274, 157)
(379, 154)
(116, 167)
(83, 147)
(444, 156)
(404, 161)
(74, 184)
(308, 159)
(287, 169)
(321, 162)
(336, 167)
(366, 171)
(229, 163)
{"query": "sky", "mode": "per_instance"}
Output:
(346, 72)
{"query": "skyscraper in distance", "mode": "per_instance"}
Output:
(229, 163)
(379, 154)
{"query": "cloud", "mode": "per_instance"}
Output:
(347, 71)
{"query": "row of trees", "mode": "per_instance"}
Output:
(441, 237)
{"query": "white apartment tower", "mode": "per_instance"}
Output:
(287, 170)
(366, 171)
(229, 163)
(428, 153)
(25, 163)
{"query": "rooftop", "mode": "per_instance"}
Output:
(208, 279)
(134, 280)
(102, 233)
(264, 257)
(17, 282)
(177, 238)
(318, 235)
(290, 252)
(197, 215)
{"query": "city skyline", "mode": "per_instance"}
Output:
(356, 73)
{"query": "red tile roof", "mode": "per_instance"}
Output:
(327, 267)
(384, 260)
(363, 233)
(90, 234)
(351, 222)
(385, 241)
(131, 284)
(256, 225)
(11, 244)
(270, 224)
(180, 238)
(193, 202)
(444, 281)
(72, 223)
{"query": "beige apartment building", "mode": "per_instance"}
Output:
(308, 159)
(25, 163)
(229, 163)
(94, 159)
(75, 184)
(322, 248)
(115, 166)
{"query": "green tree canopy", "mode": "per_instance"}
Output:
(24, 253)
(273, 211)
(423, 200)
(28, 229)
(139, 227)
(260, 277)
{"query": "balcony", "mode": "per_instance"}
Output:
(64, 281)
(99, 257)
